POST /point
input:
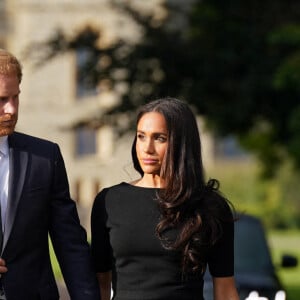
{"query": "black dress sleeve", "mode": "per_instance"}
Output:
(100, 243)
(221, 256)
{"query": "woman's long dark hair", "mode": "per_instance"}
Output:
(183, 200)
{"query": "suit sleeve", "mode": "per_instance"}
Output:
(69, 237)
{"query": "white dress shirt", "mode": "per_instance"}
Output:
(4, 175)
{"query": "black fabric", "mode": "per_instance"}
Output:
(123, 224)
(38, 206)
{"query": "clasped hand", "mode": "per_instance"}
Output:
(3, 268)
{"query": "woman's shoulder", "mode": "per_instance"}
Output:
(117, 188)
(109, 194)
(120, 189)
(217, 204)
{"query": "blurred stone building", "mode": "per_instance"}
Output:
(52, 99)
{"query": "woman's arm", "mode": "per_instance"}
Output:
(224, 288)
(104, 280)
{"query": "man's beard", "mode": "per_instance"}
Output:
(7, 124)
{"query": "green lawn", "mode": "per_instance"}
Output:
(287, 242)
(55, 265)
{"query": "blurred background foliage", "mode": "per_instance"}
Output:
(274, 200)
(237, 63)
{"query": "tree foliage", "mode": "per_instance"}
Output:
(237, 62)
(248, 73)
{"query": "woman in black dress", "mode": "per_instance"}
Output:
(152, 239)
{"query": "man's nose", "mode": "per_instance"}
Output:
(10, 107)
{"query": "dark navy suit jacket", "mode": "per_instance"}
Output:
(39, 204)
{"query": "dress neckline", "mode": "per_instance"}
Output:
(139, 187)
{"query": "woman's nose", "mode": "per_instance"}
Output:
(149, 147)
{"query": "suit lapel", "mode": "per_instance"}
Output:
(18, 161)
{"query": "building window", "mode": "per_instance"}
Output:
(86, 141)
(86, 69)
(228, 148)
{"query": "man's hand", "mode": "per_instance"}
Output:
(3, 268)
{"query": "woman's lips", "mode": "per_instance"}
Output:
(149, 161)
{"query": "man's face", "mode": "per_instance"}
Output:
(9, 103)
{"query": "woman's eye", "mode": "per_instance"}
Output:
(140, 136)
(161, 139)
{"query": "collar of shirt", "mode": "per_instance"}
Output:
(4, 145)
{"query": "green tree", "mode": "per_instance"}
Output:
(247, 73)
(237, 62)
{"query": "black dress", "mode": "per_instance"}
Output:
(123, 224)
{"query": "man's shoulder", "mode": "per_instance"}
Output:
(22, 138)
(33, 144)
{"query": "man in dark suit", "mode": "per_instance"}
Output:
(35, 202)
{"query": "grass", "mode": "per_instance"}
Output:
(287, 242)
(54, 262)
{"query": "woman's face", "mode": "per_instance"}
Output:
(151, 142)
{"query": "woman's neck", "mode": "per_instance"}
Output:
(150, 180)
